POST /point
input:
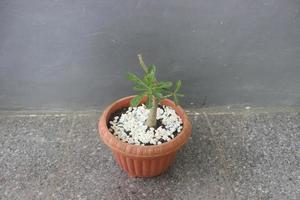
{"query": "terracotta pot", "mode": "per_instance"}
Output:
(143, 161)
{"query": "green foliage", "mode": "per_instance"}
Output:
(136, 100)
(152, 88)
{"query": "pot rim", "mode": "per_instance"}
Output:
(137, 150)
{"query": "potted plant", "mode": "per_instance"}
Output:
(145, 131)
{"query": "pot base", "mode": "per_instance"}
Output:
(145, 167)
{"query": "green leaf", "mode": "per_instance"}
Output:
(139, 88)
(136, 100)
(132, 77)
(167, 96)
(149, 101)
(152, 69)
(149, 79)
(177, 86)
(163, 85)
(175, 100)
(158, 96)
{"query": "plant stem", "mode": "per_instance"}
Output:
(151, 121)
(143, 65)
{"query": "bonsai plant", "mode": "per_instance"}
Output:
(153, 89)
(145, 131)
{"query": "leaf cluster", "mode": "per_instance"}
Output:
(152, 88)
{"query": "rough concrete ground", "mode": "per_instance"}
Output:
(233, 154)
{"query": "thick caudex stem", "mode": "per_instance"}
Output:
(151, 121)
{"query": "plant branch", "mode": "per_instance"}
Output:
(142, 64)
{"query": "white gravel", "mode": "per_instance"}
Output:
(131, 126)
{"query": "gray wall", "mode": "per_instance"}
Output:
(73, 54)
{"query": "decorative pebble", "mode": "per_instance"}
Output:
(131, 126)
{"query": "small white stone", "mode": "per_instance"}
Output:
(134, 120)
(165, 137)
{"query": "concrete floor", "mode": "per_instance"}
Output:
(233, 154)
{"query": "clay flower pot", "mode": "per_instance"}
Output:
(143, 161)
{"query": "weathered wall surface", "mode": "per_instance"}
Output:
(74, 54)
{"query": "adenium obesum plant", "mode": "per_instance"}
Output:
(153, 89)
